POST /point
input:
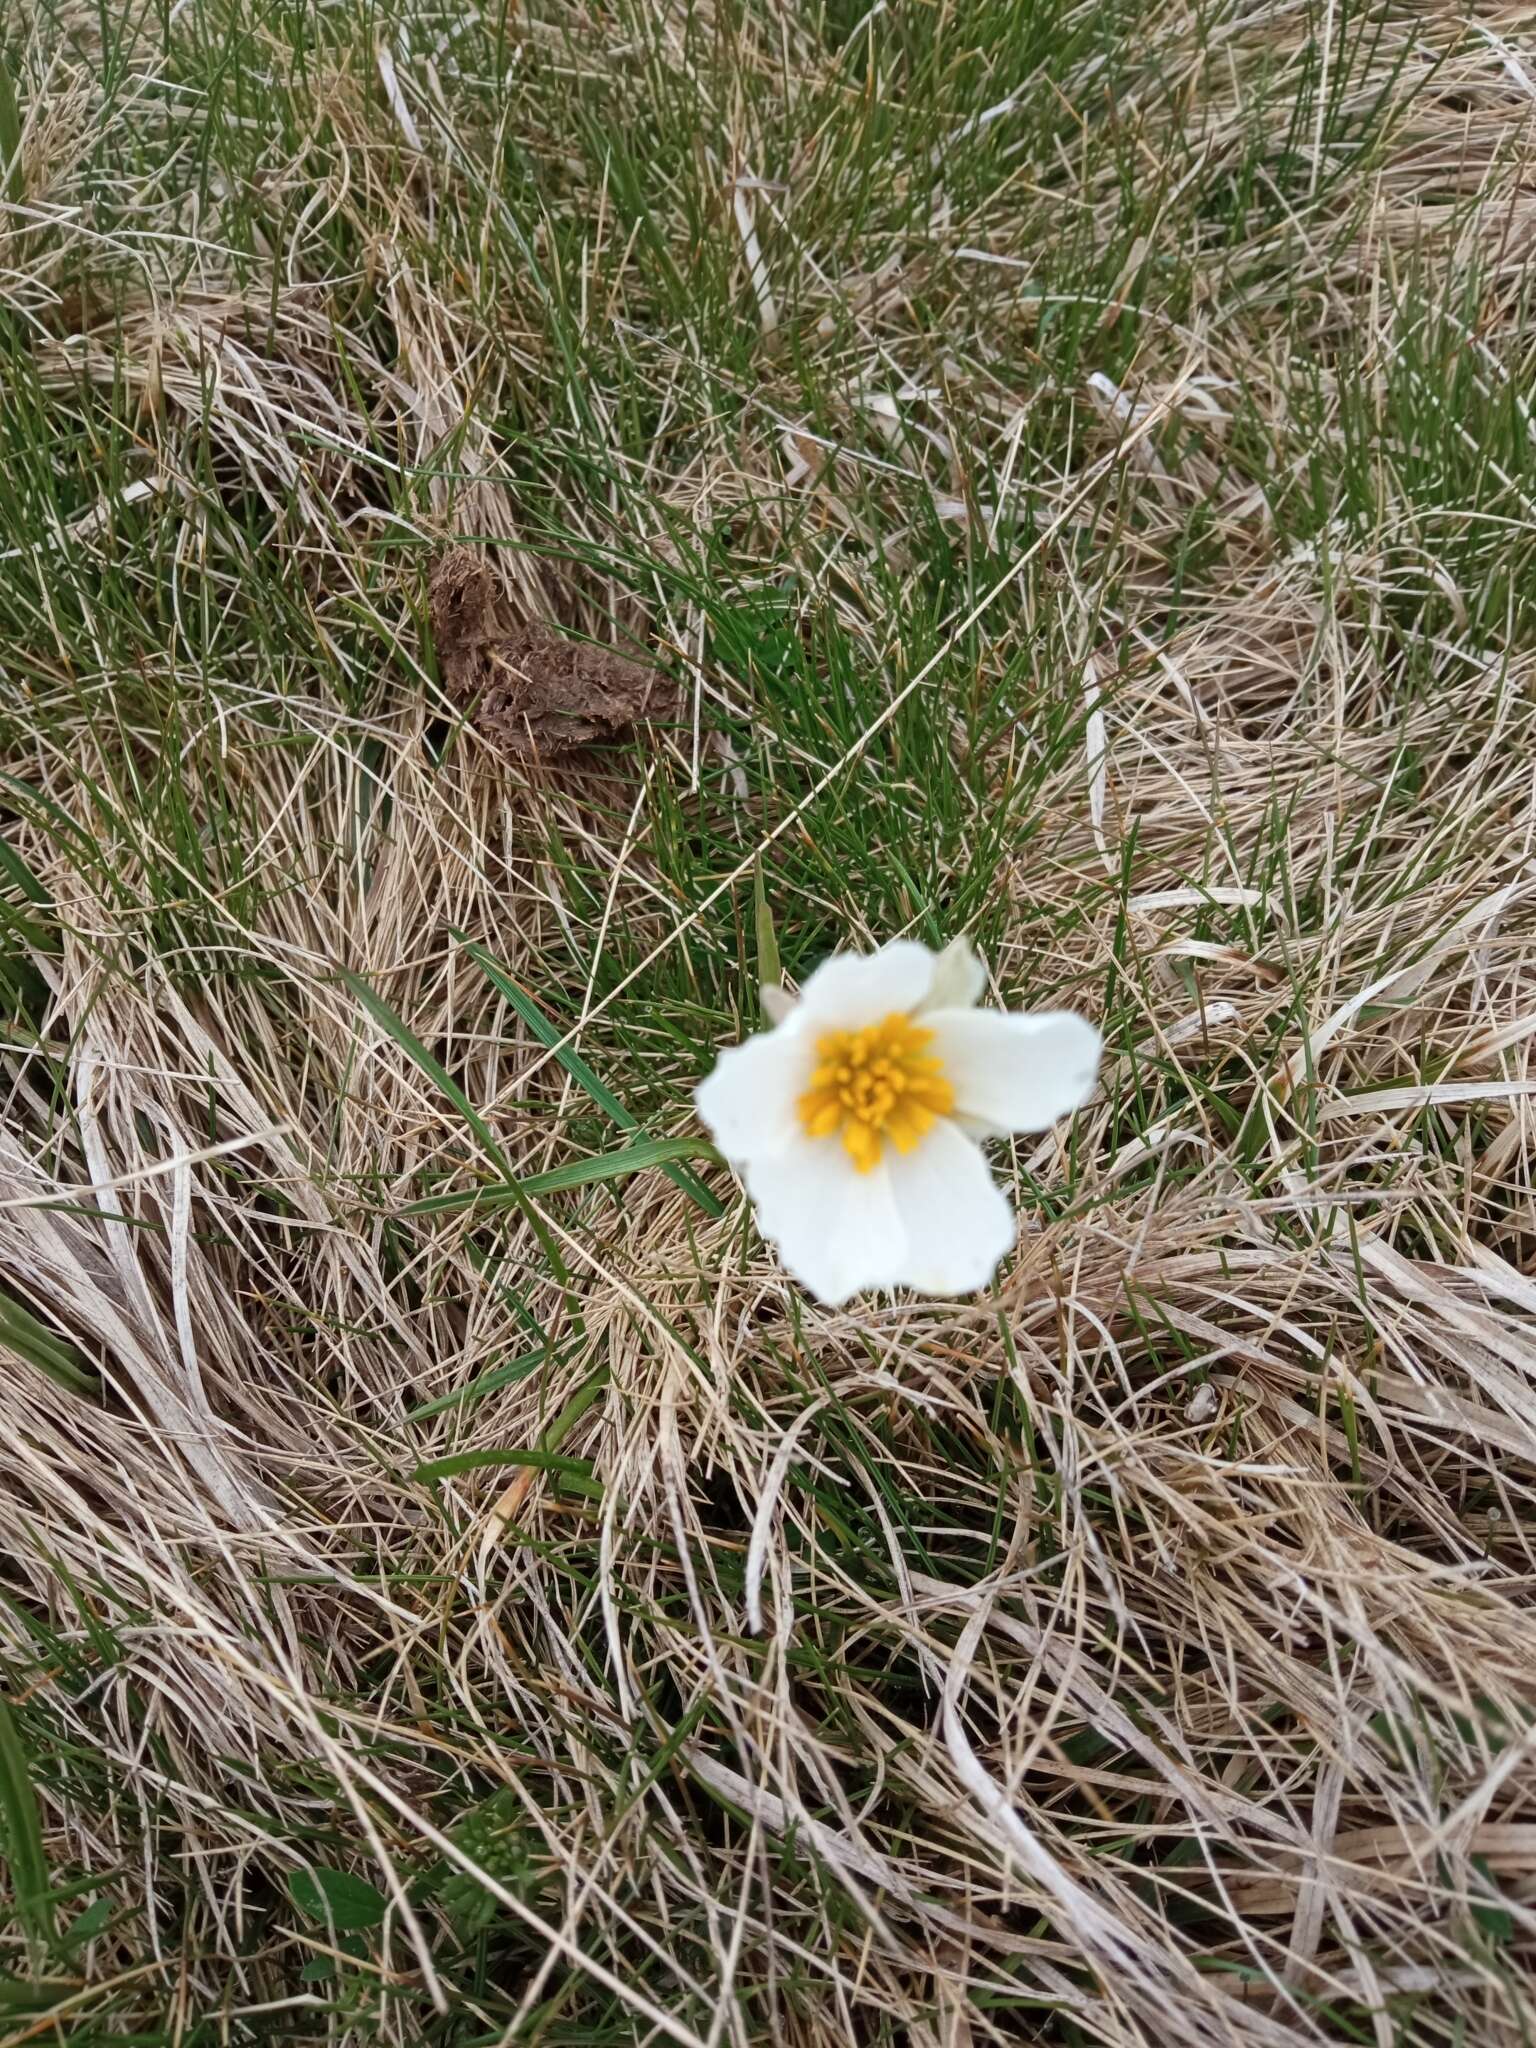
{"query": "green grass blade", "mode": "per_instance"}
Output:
(488, 1382)
(439, 1075)
(22, 1826)
(11, 186)
(585, 1397)
(12, 866)
(770, 969)
(31, 1340)
(549, 1035)
(578, 1173)
(429, 1065)
(575, 1472)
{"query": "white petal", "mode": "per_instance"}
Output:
(959, 976)
(778, 1003)
(749, 1102)
(836, 1229)
(1016, 1073)
(853, 989)
(957, 1221)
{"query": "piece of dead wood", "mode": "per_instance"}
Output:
(525, 687)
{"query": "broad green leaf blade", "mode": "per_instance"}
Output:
(86, 1925)
(343, 1901)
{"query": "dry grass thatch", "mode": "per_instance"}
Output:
(1144, 1653)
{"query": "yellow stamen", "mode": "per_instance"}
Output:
(876, 1084)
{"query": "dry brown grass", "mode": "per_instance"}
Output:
(1144, 1653)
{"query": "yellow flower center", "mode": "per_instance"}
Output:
(875, 1084)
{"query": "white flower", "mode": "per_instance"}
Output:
(855, 1121)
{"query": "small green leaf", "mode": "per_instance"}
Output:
(86, 1926)
(1495, 1919)
(336, 1897)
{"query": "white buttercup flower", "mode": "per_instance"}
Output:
(855, 1121)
